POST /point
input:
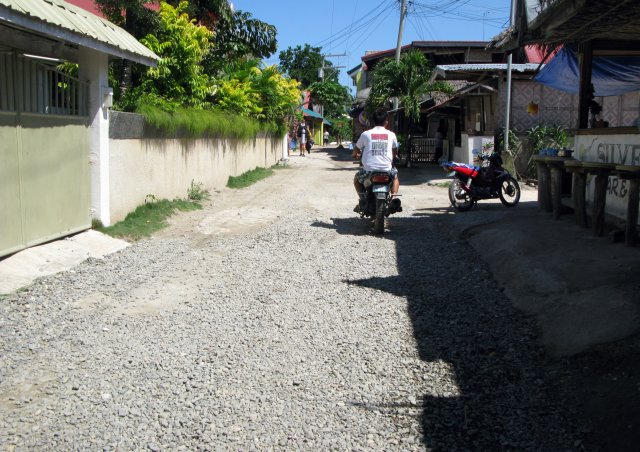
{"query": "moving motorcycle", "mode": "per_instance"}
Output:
(488, 181)
(380, 203)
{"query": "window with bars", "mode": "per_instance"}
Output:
(29, 86)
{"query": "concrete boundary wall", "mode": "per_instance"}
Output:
(141, 163)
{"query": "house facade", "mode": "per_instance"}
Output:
(54, 127)
(474, 116)
(469, 118)
(603, 78)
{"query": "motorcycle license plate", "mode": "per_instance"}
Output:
(380, 189)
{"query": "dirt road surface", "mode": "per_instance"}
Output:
(273, 320)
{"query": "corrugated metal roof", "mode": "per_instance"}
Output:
(475, 44)
(313, 114)
(64, 21)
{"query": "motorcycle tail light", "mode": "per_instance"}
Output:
(380, 178)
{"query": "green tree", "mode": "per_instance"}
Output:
(241, 35)
(178, 80)
(253, 91)
(207, 12)
(132, 15)
(137, 19)
(237, 35)
(407, 80)
(303, 63)
(335, 97)
(342, 128)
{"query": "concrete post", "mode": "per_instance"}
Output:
(93, 70)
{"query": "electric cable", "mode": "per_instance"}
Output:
(359, 24)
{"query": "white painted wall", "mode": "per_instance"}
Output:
(464, 153)
(165, 168)
(93, 68)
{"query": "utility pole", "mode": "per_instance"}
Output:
(321, 70)
(507, 113)
(403, 12)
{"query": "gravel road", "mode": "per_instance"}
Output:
(272, 320)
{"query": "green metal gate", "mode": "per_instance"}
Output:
(44, 153)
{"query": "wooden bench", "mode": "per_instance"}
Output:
(578, 190)
(550, 171)
(556, 170)
(580, 171)
(632, 174)
(544, 183)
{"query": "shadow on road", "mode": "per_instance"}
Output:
(426, 174)
(336, 154)
(499, 395)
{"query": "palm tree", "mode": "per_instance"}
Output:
(407, 80)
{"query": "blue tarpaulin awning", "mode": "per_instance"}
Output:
(610, 76)
(313, 114)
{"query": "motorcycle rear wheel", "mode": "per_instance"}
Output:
(459, 198)
(378, 221)
(509, 192)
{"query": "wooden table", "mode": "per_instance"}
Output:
(632, 174)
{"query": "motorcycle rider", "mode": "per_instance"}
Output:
(377, 148)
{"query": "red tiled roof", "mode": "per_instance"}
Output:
(90, 5)
(87, 5)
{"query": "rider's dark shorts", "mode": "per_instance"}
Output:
(362, 175)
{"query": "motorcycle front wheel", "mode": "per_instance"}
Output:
(459, 197)
(378, 221)
(509, 192)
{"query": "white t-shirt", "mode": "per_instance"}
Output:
(377, 146)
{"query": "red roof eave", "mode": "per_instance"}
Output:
(536, 54)
(381, 53)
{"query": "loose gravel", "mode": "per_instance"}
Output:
(306, 333)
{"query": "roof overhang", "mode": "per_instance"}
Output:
(312, 114)
(437, 47)
(475, 72)
(572, 22)
(474, 89)
(354, 71)
(62, 28)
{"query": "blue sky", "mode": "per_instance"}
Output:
(355, 26)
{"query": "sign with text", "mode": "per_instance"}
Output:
(618, 149)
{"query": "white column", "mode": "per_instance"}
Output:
(93, 70)
(285, 147)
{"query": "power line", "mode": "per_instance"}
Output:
(333, 10)
(380, 19)
(361, 23)
(355, 9)
(454, 9)
(371, 26)
(346, 46)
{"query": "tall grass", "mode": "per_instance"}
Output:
(249, 178)
(148, 218)
(205, 123)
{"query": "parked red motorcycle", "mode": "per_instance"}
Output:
(473, 183)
